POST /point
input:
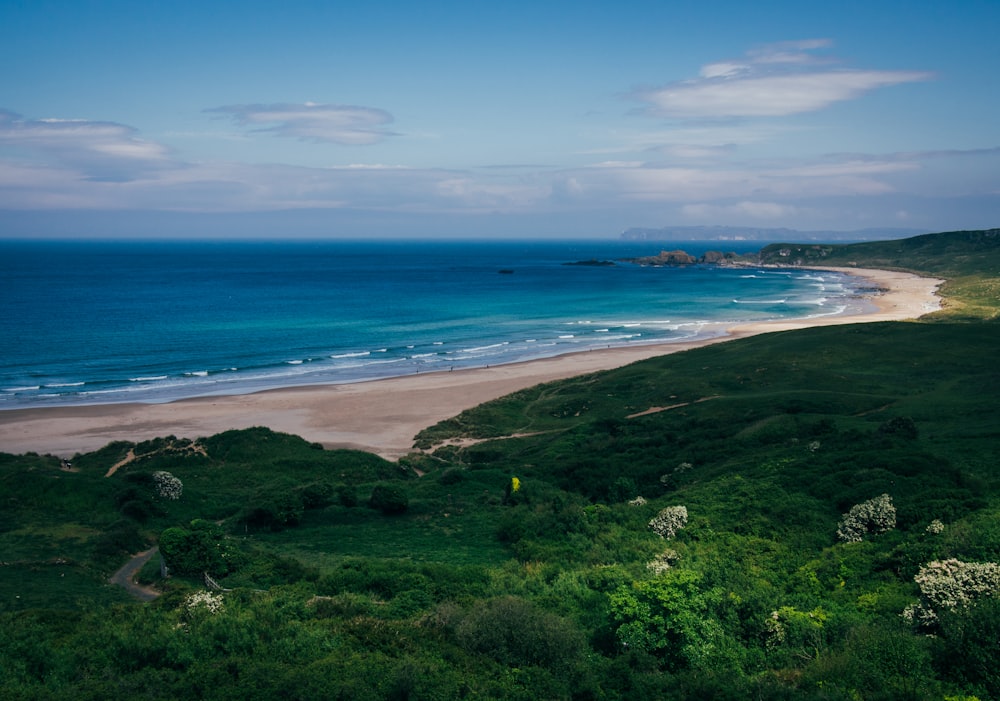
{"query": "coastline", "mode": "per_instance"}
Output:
(383, 416)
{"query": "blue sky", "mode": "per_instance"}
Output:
(539, 119)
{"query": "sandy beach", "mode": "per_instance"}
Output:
(383, 416)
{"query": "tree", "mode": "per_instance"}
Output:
(669, 616)
(199, 548)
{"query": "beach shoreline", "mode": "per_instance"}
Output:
(383, 416)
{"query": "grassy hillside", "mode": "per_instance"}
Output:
(832, 480)
(969, 260)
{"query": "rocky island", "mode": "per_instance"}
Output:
(678, 257)
(593, 262)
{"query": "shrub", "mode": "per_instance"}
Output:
(118, 539)
(204, 600)
(669, 616)
(968, 647)
(663, 562)
(622, 489)
(316, 495)
(193, 551)
(900, 426)
(347, 495)
(389, 499)
(949, 585)
(136, 498)
(514, 632)
(274, 513)
(451, 476)
(167, 486)
(874, 516)
(669, 521)
(138, 510)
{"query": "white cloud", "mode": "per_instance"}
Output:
(649, 182)
(697, 152)
(724, 69)
(338, 124)
(100, 150)
(773, 81)
(64, 164)
(853, 168)
(30, 178)
(790, 51)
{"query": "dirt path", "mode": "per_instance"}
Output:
(658, 409)
(131, 456)
(468, 442)
(125, 577)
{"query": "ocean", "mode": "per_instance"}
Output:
(153, 321)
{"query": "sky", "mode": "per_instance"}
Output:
(473, 119)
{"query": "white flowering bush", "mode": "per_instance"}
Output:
(935, 527)
(874, 516)
(167, 486)
(775, 631)
(670, 520)
(638, 501)
(668, 479)
(204, 600)
(663, 562)
(950, 585)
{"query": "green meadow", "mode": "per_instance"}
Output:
(809, 514)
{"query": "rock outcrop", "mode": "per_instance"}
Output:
(682, 258)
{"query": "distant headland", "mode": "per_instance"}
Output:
(746, 233)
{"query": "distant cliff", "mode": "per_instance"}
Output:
(746, 233)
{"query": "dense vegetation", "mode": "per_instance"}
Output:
(809, 514)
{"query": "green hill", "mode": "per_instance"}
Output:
(807, 514)
(969, 260)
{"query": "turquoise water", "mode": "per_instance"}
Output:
(102, 322)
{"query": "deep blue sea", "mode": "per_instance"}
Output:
(101, 322)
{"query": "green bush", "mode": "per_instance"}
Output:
(516, 633)
(316, 495)
(191, 551)
(347, 495)
(272, 512)
(389, 499)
